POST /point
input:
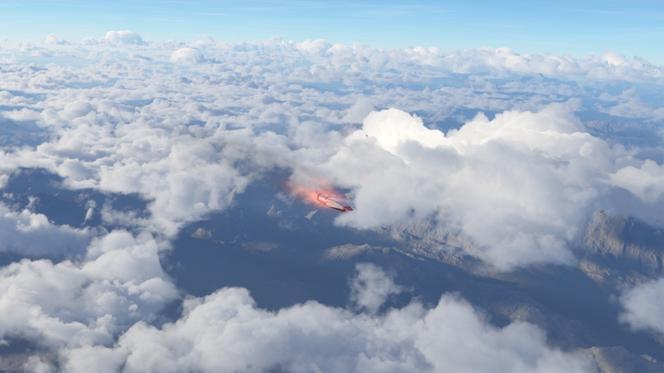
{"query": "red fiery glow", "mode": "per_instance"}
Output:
(311, 194)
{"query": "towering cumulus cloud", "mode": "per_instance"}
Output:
(518, 186)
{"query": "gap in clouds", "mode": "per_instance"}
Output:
(43, 192)
(266, 244)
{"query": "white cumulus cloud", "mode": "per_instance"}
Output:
(643, 307)
(186, 55)
(30, 234)
(226, 331)
(518, 186)
(123, 37)
(85, 302)
(646, 181)
(371, 287)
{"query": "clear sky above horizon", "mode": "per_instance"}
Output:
(629, 27)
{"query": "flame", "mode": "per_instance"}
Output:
(309, 194)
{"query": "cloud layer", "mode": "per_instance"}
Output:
(86, 302)
(188, 133)
(510, 152)
(225, 331)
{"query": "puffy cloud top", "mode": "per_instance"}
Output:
(643, 307)
(226, 331)
(646, 181)
(26, 234)
(371, 287)
(393, 128)
(517, 186)
(86, 302)
(123, 37)
(186, 55)
(52, 39)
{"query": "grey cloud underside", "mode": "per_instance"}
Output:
(185, 129)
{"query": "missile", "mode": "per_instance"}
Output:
(333, 202)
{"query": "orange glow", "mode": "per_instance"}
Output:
(310, 194)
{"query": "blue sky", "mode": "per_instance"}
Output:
(630, 27)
